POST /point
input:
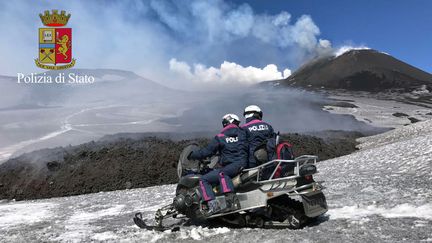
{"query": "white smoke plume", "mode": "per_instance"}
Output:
(228, 72)
(341, 50)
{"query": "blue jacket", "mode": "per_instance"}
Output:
(231, 144)
(257, 132)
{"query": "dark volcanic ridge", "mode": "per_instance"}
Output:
(127, 161)
(360, 70)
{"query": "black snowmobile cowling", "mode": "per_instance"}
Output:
(263, 198)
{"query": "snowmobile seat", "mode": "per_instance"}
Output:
(246, 181)
(249, 175)
(244, 177)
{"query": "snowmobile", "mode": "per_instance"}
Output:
(263, 197)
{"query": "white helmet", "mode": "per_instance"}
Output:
(253, 111)
(230, 119)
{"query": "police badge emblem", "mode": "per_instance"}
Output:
(55, 44)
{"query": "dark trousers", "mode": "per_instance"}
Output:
(222, 176)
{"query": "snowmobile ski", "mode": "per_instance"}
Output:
(140, 222)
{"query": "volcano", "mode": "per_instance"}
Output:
(360, 70)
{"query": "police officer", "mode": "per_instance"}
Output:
(232, 146)
(257, 131)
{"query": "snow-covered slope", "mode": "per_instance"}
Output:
(392, 171)
(406, 133)
(380, 111)
(380, 193)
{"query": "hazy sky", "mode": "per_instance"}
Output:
(216, 41)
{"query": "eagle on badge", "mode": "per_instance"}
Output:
(55, 44)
